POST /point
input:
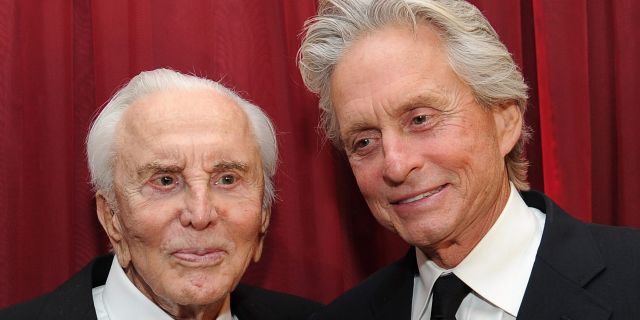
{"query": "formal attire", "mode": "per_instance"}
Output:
(496, 270)
(560, 268)
(102, 291)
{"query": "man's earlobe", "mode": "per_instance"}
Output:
(264, 225)
(257, 253)
(509, 124)
(106, 217)
(112, 226)
(266, 217)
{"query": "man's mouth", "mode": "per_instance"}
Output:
(200, 256)
(422, 195)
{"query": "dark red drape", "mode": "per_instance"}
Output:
(60, 60)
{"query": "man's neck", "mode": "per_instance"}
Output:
(449, 253)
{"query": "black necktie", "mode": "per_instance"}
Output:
(448, 293)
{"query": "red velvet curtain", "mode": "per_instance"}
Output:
(60, 60)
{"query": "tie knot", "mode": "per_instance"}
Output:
(448, 293)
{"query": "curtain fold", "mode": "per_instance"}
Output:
(61, 60)
(563, 86)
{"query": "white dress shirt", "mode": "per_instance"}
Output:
(119, 299)
(497, 269)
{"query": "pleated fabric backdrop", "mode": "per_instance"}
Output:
(60, 60)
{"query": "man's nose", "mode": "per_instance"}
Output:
(199, 211)
(399, 159)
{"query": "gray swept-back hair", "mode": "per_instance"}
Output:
(102, 135)
(474, 51)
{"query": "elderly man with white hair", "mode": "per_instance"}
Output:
(182, 169)
(428, 106)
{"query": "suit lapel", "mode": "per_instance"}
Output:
(567, 260)
(245, 307)
(392, 299)
(74, 299)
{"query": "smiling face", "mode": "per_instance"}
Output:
(427, 157)
(188, 196)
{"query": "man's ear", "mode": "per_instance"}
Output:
(264, 225)
(111, 224)
(508, 119)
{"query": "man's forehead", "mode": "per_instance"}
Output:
(184, 103)
(176, 124)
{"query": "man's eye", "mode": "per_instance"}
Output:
(166, 181)
(419, 119)
(362, 143)
(226, 179)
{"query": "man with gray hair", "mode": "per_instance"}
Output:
(182, 169)
(428, 106)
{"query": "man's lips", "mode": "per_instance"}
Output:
(200, 256)
(420, 196)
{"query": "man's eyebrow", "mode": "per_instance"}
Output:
(426, 100)
(158, 167)
(355, 128)
(231, 165)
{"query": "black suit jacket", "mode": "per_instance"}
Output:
(74, 300)
(581, 272)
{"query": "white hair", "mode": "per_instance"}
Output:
(102, 135)
(474, 51)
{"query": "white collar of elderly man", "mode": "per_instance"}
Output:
(183, 192)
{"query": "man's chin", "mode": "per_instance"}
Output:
(200, 296)
(420, 238)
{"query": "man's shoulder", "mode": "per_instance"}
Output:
(615, 234)
(26, 310)
(610, 242)
(545, 204)
(71, 300)
(582, 268)
(249, 300)
(618, 245)
(386, 286)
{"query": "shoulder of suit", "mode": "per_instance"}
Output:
(614, 240)
(616, 231)
(26, 310)
(356, 302)
(72, 298)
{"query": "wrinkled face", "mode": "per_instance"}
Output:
(188, 188)
(427, 157)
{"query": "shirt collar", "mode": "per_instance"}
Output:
(123, 300)
(498, 267)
